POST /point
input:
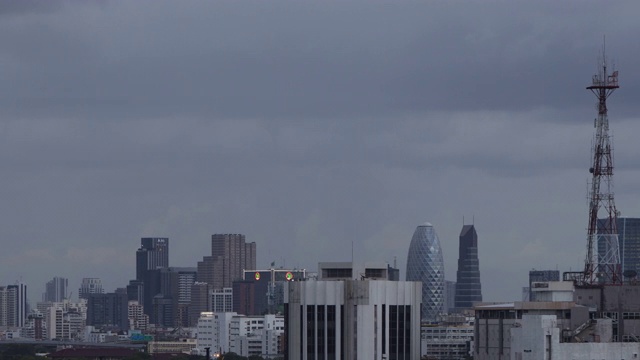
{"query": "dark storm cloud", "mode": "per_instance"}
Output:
(300, 60)
(306, 126)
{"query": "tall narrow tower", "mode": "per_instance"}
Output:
(468, 287)
(602, 264)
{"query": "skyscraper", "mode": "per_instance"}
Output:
(152, 254)
(56, 290)
(468, 287)
(230, 254)
(425, 264)
(90, 286)
(17, 305)
(629, 244)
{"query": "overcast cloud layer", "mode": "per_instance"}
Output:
(306, 126)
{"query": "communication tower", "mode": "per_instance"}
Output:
(602, 264)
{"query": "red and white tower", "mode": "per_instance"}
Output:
(602, 264)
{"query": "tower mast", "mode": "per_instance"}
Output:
(602, 264)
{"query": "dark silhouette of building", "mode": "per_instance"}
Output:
(230, 254)
(108, 310)
(468, 287)
(56, 289)
(152, 256)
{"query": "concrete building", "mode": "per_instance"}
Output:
(16, 305)
(36, 327)
(541, 276)
(65, 320)
(552, 290)
(350, 319)
(540, 337)
(356, 271)
(621, 303)
(56, 289)
(447, 341)
(221, 300)
(493, 323)
(257, 335)
(108, 310)
(138, 320)
(468, 286)
(425, 264)
(214, 332)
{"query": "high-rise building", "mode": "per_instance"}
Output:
(200, 301)
(449, 296)
(56, 289)
(151, 257)
(152, 254)
(541, 276)
(230, 254)
(629, 244)
(426, 265)
(17, 307)
(90, 286)
(468, 287)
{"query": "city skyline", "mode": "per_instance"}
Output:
(121, 123)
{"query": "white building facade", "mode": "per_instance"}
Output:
(353, 319)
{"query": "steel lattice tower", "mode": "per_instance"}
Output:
(602, 264)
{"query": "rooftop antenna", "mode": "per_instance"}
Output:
(602, 263)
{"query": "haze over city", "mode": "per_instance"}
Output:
(308, 127)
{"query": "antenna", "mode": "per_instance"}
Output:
(602, 263)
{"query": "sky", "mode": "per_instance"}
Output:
(313, 128)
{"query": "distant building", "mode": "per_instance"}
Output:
(151, 257)
(230, 254)
(90, 286)
(447, 341)
(425, 264)
(450, 296)
(541, 276)
(629, 245)
(17, 306)
(221, 300)
(56, 289)
(108, 310)
(262, 291)
(152, 254)
(200, 301)
(468, 286)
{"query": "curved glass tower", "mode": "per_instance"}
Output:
(425, 264)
